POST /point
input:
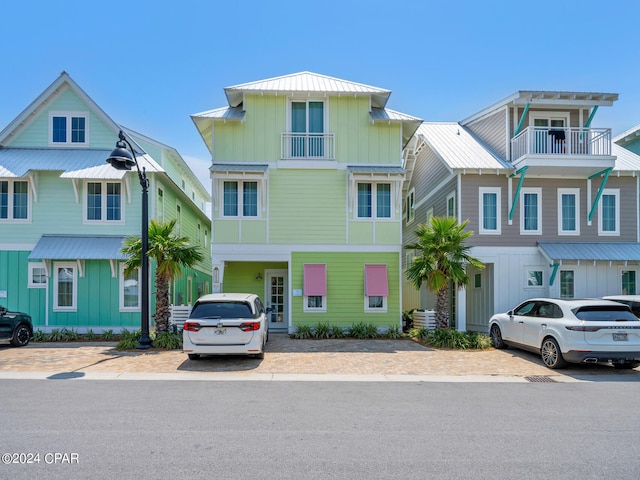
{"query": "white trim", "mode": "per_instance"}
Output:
(369, 309)
(559, 279)
(103, 203)
(121, 287)
(260, 185)
(32, 266)
(451, 196)
(74, 302)
(569, 191)
(498, 193)
(528, 191)
(410, 213)
(10, 194)
(534, 268)
(307, 309)
(549, 115)
(374, 200)
(626, 268)
(615, 192)
(68, 115)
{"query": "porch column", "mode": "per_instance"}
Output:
(461, 307)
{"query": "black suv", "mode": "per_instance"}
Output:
(16, 327)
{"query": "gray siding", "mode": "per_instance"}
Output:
(492, 130)
(510, 234)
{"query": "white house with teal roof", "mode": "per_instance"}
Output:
(64, 213)
(307, 175)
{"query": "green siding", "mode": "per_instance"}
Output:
(226, 231)
(14, 280)
(301, 214)
(345, 288)
(240, 277)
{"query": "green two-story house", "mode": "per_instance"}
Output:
(64, 213)
(307, 176)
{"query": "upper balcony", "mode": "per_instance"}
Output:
(570, 150)
(307, 146)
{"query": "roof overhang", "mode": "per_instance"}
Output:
(559, 252)
(78, 247)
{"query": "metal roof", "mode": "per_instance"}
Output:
(78, 247)
(75, 163)
(238, 167)
(605, 251)
(628, 136)
(307, 82)
(376, 169)
(458, 148)
(626, 160)
(224, 113)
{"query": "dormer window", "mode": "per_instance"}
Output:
(69, 128)
(306, 136)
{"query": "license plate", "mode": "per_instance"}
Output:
(222, 331)
(620, 337)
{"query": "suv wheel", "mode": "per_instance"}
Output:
(21, 336)
(551, 354)
(496, 337)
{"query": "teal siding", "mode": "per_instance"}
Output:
(14, 280)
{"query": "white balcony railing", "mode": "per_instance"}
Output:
(316, 146)
(561, 141)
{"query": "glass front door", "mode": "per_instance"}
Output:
(277, 299)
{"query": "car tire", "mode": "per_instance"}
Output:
(625, 365)
(193, 356)
(551, 354)
(496, 337)
(259, 356)
(21, 336)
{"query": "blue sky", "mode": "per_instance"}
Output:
(151, 64)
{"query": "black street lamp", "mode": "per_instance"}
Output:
(121, 159)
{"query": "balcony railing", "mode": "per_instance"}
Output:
(561, 141)
(315, 146)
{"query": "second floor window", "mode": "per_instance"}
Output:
(374, 200)
(569, 211)
(69, 128)
(14, 200)
(490, 210)
(609, 212)
(530, 221)
(307, 127)
(104, 202)
(240, 199)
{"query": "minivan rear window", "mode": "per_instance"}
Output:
(605, 314)
(221, 310)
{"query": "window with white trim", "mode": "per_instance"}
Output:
(531, 211)
(37, 275)
(178, 226)
(568, 211)
(535, 278)
(160, 213)
(129, 290)
(567, 284)
(69, 128)
(65, 287)
(15, 202)
(374, 200)
(628, 282)
(609, 212)
(307, 125)
(376, 288)
(103, 202)
(451, 204)
(489, 213)
(240, 199)
(315, 287)
(410, 206)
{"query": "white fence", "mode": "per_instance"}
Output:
(179, 314)
(424, 319)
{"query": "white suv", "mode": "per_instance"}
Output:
(574, 331)
(226, 324)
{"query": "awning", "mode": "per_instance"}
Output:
(375, 281)
(239, 167)
(78, 247)
(315, 280)
(556, 252)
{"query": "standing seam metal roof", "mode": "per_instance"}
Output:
(78, 247)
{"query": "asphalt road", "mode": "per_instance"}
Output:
(318, 430)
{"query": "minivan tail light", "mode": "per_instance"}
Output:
(192, 326)
(250, 326)
(583, 329)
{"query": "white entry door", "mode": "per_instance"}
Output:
(277, 299)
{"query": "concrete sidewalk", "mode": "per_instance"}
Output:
(289, 359)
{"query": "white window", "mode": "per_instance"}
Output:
(307, 127)
(315, 287)
(374, 200)
(531, 211)
(103, 202)
(15, 201)
(376, 288)
(65, 287)
(160, 214)
(37, 275)
(567, 284)
(68, 129)
(240, 199)
(410, 206)
(178, 227)
(550, 132)
(609, 212)
(535, 278)
(568, 211)
(451, 204)
(129, 290)
(628, 282)
(489, 214)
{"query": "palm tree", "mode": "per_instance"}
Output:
(443, 259)
(170, 252)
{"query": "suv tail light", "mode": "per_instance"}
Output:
(583, 329)
(192, 326)
(250, 326)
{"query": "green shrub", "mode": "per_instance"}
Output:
(40, 336)
(393, 332)
(358, 330)
(419, 333)
(322, 330)
(54, 335)
(303, 332)
(371, 331)
(108, 335)
(479, 341)
(69, 335)
(168, 341)
(337, 332)
(128, 340)
(89, 335)
(448, 338)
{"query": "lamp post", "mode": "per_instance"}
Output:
(122, 159)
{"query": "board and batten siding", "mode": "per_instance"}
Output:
(510, 234)
(491, 129)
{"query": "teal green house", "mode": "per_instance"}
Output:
(307, 198)
(64, 213)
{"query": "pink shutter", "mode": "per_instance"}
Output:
(375, 281)
(315, 280)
